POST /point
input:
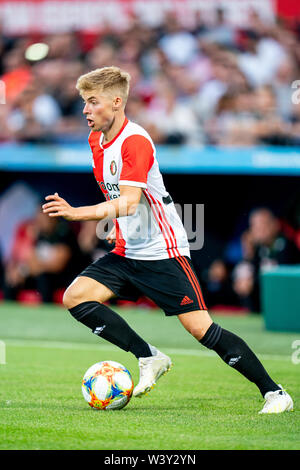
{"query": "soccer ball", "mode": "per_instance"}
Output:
(107, 385)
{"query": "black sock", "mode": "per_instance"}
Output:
(236, 353)
(109, 325)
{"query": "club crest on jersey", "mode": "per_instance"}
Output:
(113, 168)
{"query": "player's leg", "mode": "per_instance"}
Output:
(174, 286)
(237, 354)
(85, 299)
(232, 349)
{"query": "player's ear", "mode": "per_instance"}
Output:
(117, 103)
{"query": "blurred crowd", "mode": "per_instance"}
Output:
(213, 84)
(234, 279)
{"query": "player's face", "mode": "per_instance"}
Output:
(98, 110)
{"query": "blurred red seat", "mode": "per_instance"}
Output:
(58, 296)
(32, 297)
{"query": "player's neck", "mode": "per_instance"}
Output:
(115, 128)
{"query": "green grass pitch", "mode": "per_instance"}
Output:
(200, 404)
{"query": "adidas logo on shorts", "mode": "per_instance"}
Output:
(186, 300)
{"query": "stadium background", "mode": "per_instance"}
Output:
(214, 88)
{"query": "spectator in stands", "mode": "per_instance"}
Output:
(137, 111)
(175, 122)
(245, 287)
(6, 132)
(221, 32)
(271, 246)
(68, 99)
(6, 43)
(217, 285)
(294, 127)
(235, 116)
(45, 257)
(257, 24)
(72, 124)
(34, 114)
(266, 247)
(50, 74)
(285, 75)
(178, 44)
(261, 58)
(17, 73)
(269, 127)
(101, 55)
(212, 91)
(63, 46)
(250, 118)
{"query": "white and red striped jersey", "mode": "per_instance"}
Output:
(155, 231)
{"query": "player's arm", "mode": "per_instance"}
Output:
(124, 205)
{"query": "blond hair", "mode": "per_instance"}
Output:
(110, 79)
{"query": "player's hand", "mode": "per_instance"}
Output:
(58, 207)
(111, 237)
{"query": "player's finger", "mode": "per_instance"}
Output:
(46, 206)
(53, 203)
(53, 196)
(51, 209)
(59, 213)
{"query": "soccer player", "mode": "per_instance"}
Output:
(151, 254)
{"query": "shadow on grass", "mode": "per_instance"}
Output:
(132, 407)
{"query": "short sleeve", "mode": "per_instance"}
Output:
(137, 157)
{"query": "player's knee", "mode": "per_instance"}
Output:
(196, 323)
(197, 331)
(79, 292)
(72, 297)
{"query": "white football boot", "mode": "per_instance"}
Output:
(151, 369)
(277, 402)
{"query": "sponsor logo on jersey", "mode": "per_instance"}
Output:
(108, 187)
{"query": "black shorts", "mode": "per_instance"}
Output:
(171, 283)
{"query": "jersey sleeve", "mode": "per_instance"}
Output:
(137, 158)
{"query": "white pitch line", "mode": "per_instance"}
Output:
(48, 344)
